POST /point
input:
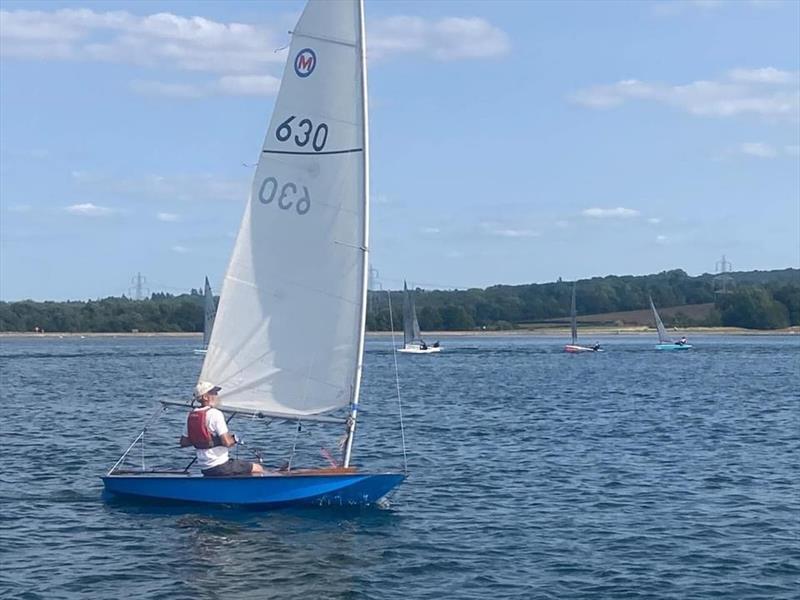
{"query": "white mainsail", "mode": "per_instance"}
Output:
(411, 331)
(288, 337)
(662, 332)
(210, 311)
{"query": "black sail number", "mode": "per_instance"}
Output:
(284, 130)
(287, 197)
(320, 137)
(305, 132)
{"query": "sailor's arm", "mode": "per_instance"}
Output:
(219, 429)
(227, 439)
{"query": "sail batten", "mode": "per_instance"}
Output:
(320, 38)
(288, 337)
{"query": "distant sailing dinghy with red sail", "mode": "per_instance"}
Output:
(288, 341)
(574, 347)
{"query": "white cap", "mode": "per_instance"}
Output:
(204, 387)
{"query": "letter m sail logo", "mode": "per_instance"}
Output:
(305, 62)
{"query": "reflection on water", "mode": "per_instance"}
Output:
(532, 474)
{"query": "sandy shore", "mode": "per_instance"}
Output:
(432, 335)
(56, 335)
(603, 331)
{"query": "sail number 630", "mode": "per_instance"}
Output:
(306, 132)
(287, 197)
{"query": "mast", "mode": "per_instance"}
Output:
(574, 317)
(209, 309)
(351, 423)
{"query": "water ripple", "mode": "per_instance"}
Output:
(533, 474)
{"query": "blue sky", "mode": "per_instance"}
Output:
(512, 142)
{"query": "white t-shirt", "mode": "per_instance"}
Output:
(215, 422)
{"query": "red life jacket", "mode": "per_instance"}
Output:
(199, 435)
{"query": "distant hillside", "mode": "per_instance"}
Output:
(757, 299)
(675, 315)
(760, 277)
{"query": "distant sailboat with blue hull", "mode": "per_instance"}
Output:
(288, 341)
(664, 341)
(209, 312)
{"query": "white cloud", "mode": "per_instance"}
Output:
(662, 239)
(183, 187)
(243, 55)
(229, 85)
(449, 38)
(248, 85)
(430, 230)
(759, 149)
(654, 220)
(671, 8)
(508, 232)
(765, 75)
(610, 213)
(163, 40)
(180, 249)
(89, 210)
(762, 150)
(766, 92)
(168, 89)
(168, 217)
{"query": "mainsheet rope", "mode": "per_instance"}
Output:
(397, 385)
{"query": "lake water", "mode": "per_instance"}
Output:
(533, 474)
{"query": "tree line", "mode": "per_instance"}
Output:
(755, 300)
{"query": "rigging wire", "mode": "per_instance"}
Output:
(397, 385)
(158, 412)
(294, 445)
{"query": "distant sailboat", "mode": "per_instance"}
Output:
(664, 341)
(210, 311)
(412, 336)
(288, 342)
(574, 347)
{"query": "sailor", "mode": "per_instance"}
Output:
(423, 346)
(596, 346)
(682, 341)
(207, 431)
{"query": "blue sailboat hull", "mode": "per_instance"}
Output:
(673, 346)
(269, 491)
